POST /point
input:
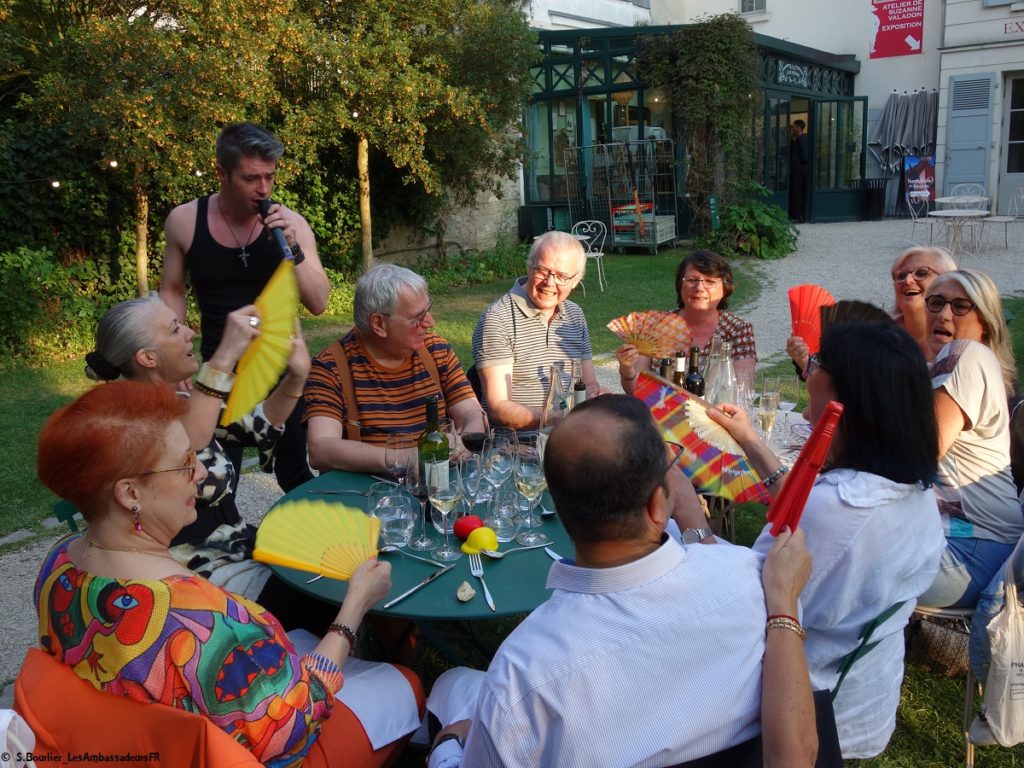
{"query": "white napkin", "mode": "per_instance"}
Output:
(376, 692)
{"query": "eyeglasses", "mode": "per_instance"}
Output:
(813, 364)
(960, 307)
(543, 275)
(189, 466)
(919, 273)
(710, 282)
(417, 319)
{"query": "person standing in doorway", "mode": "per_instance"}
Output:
(226, 247)
(799, 159)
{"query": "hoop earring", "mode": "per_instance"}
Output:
(136, 521)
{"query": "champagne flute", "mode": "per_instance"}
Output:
(498, 461)
(445, 492)
(531, 483)
(766, 412)
(447, 428)
(472, 473)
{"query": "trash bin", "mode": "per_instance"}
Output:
(874, 198)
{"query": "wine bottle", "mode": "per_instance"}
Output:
(694, 382)
(433, 448)
(679, 377)
(579, 387)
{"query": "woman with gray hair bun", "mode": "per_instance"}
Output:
(142, 340)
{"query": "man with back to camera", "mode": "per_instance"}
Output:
(227, 249)
(648, 652)
(532, 327)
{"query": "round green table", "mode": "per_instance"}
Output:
(517, 582)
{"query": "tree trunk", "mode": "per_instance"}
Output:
(141, 236)
(363, 167)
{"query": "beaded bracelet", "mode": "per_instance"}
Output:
(210, 391)
(297, 255)
(773, 478)
(347, 633)
(784, 622)
(214, 379)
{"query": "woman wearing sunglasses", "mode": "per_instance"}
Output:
(128, 618)
(871, 520)
(704, 284)
(142, 340)
(973, 376)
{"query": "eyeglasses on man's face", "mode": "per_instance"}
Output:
(418, 319)
(708, 282)
(189, 466)
(543, 275)
(919, 274)
(960, 307)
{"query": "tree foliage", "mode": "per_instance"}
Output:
(710, 70)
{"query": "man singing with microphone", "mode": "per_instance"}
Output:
(228, 250)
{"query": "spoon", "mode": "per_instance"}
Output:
(498, 555)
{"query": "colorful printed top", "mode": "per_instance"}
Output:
(735, 330)
(186, 643)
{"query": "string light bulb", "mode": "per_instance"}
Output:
(55, 184)
(113, 163)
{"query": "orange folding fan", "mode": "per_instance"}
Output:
(654, 333)
(321, 537)
(267, 357)
(805, 303)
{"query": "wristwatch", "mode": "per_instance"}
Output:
(695, 535)
(448, 737)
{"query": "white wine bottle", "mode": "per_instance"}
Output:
(433, 448)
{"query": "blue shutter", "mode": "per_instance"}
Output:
(991, 3)
(968, 129)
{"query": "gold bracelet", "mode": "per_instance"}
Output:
(784, 622)
(296, 395)
(214, 379)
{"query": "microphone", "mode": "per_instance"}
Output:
(282, 244)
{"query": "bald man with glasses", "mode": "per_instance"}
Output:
(532, 327)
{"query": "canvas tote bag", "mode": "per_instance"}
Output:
(1004, 690)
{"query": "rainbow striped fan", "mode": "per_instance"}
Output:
(708, 430)
(267, 357)
(654, 333)
(319, 537)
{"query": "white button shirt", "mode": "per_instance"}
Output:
(651, 663)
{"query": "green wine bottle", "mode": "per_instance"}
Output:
(433, 448)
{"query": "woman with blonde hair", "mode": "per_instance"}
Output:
(973, 377)
(912, 273)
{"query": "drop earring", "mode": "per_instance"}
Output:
(137, 522)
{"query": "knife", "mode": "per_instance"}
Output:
(553, 555)
(387, 480)
(423, 583)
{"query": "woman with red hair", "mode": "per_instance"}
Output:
(116, 607)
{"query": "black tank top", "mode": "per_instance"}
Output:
(221, 281)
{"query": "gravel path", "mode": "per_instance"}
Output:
(851, 260)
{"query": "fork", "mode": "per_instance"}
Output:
(476, 567)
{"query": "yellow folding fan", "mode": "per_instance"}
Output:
(654, 333)
(267, 357)
(321, 537)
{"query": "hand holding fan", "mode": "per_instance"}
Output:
(267, 357)
(318, 537)
(788, 506)
(654, 333)
(805, 303)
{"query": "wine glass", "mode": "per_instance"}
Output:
(502, 518)
(530, 481)
(447, 428)
(445, 492)
(400, 455)
(766, 412)
(472, 471)
(499, 456)
(789, 396)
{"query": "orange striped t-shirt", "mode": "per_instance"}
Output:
(389, 400)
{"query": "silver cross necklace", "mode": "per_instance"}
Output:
(243, 254)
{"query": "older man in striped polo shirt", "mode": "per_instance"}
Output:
(529, 329)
